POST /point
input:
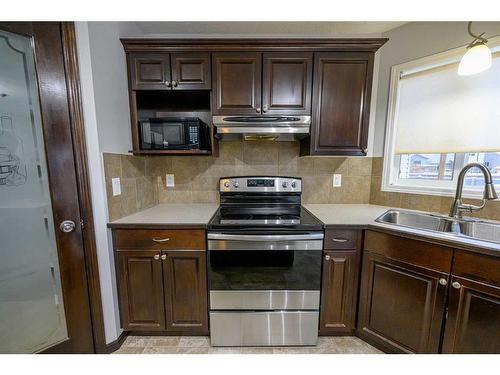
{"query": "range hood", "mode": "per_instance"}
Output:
(274, 128)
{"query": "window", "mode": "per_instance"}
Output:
(438, 122)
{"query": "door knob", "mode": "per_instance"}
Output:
(327, 257)
(456, 285)
(443, 281)
(67, 226)
(156, 257)
(264, 109)
(174, 83)
(163, 257)
(257, 109)
(167, 83)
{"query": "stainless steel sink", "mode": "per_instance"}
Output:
(466, 227)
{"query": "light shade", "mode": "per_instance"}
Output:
(475, 60)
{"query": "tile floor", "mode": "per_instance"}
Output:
(201, 345)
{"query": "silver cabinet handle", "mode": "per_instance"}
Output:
(174, 83)
(339, 239)
(257, 109)
(156, 257)
(67, 226)
(456, 285)
(443, 281)
(327, 257)
(161, 240)
(264, 109)
(163, 257)
(167, 83)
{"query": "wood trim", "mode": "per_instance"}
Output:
(115, 345)
(80, 154)
(261, 45)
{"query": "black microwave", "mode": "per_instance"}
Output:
(174, 133)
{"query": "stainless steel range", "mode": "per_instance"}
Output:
(264, 265)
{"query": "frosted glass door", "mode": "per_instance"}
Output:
(32, 314)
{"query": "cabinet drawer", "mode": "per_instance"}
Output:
(159, 239)
(342, 239)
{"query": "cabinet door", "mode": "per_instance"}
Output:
(190, 71)
(341, 102)
(141, 290)
(149, 71)
(338, 292)
(237, 83)
(401, 306)
(286, 85)
(473, 323)
(185, 283)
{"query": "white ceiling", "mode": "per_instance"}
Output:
(285, 29)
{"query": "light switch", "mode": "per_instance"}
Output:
(337, 180)
(117, 188)
(169, 178)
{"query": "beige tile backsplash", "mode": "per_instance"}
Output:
(196, 178)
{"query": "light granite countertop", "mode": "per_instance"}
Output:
(359, 215)
(346, 214)
(364, 215)
(190, 214)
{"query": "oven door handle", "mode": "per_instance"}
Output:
(265, 238)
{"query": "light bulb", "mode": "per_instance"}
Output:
(475, 60)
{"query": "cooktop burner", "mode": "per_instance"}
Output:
(258, 202)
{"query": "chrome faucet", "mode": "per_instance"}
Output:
(489, 191)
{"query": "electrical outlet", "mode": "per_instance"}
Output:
(337, 180)
(169, 178)
(117, 188)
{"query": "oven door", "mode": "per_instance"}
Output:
(261, 262)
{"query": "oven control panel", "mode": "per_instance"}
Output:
(261, 184)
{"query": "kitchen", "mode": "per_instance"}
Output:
(228, 188)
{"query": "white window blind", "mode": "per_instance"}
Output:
(438, 111)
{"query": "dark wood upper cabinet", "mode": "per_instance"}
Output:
(236, 83)
(149, 71)
(184, 274)
(141, 292)
(341, 103)
(190, 71)
(286, 83)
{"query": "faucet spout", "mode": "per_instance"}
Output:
(489, 192)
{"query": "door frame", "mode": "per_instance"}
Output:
(77, 129)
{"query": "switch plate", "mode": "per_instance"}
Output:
(117, 188)
(337, 180)
(170, 182)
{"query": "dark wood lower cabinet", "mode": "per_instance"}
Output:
(339, 292)
(161, 288)
(141, 292)
(473, 324)
(402, 306)
(184, 275)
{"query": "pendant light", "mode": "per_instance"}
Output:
(478, 55)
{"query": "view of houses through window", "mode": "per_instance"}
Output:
(445, 167)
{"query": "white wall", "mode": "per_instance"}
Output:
(107, 124)
(412, 41)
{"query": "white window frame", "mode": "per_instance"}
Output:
(390, 180)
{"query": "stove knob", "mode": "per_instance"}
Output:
(285, 184)
(226, 184)
(236, 184)
(293, 184)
